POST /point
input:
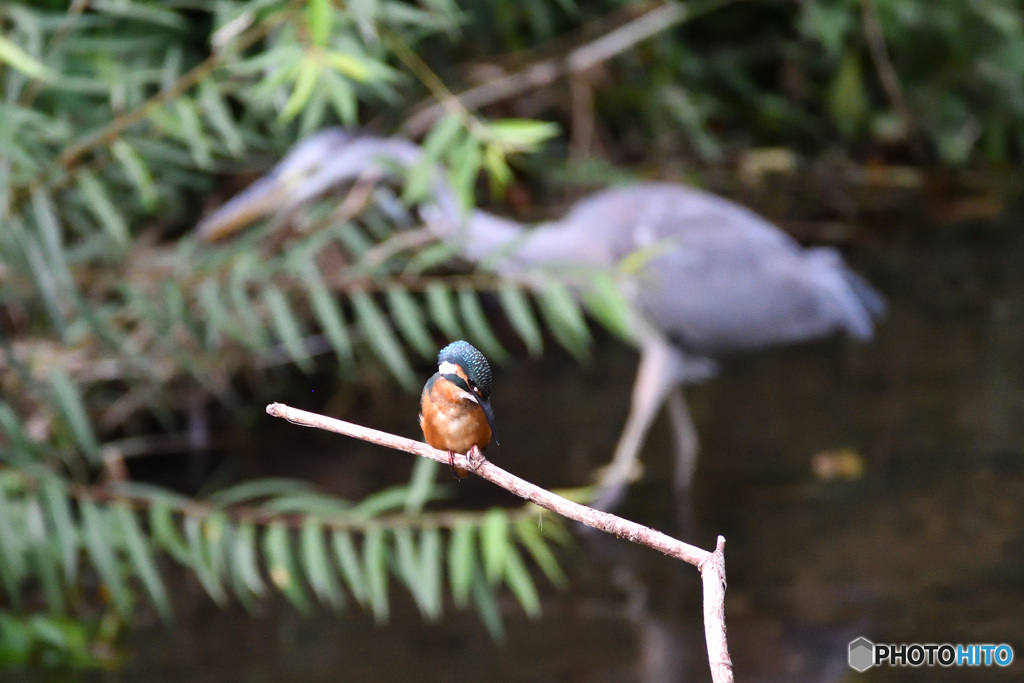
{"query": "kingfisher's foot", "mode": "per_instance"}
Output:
(452, 467)
(476, 458)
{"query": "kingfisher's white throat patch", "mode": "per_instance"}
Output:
(449, 368)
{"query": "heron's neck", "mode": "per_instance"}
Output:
(476, 235)
(510, 246)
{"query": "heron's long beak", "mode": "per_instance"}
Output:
(263, 197)
(303, 173)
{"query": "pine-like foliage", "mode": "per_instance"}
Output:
(116, 119)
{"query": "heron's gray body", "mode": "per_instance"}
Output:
(718, 277)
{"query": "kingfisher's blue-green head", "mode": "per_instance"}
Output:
(462, 354)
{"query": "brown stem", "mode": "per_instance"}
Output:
(711, 565)
(887, 73)
(712, 574)
(545, 72)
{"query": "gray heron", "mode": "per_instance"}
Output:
(719, 278)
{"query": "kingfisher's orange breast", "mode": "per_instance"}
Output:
(449, 421)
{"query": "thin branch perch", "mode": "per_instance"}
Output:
(710, 564)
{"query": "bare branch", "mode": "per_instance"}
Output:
(546, 72)
(887, 73)
(711, 565)
(712, 574)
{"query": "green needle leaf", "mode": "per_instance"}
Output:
(318, 18)
(494, 543)
(480, 329)
(408, 567)
(518, 579)
(564, 319)
(530, 536)
(243, 560)
(281, 567)
(137, 171)
(141, 557)
(520, 314)
(351, 568)
(375, 554)
(382, 339)
(287, 326)
(165, 531)
(606, 303)
(13, 568)
(430, 572)
(248, 491)
(487, 607)
(319, 570)
(12, 55)
(102, 207)
(442, 310)
(45, 557)
(409, 318)
(461, 562)
(325, 307)
(305, 82)
(58, 510)
(97, 540)
(421, 485)
(71, 406)
(200, 560)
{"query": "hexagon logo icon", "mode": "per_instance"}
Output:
(862, 654)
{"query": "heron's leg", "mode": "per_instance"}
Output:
(687, 441)
(199, 437)
(660, 370)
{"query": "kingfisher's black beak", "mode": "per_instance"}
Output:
(485, 403)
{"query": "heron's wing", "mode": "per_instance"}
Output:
(722, 296)
(631, 217)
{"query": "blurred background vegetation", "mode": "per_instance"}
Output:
(123, 122)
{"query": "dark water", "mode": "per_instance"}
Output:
(925, 546)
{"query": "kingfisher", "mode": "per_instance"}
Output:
(455, 406)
